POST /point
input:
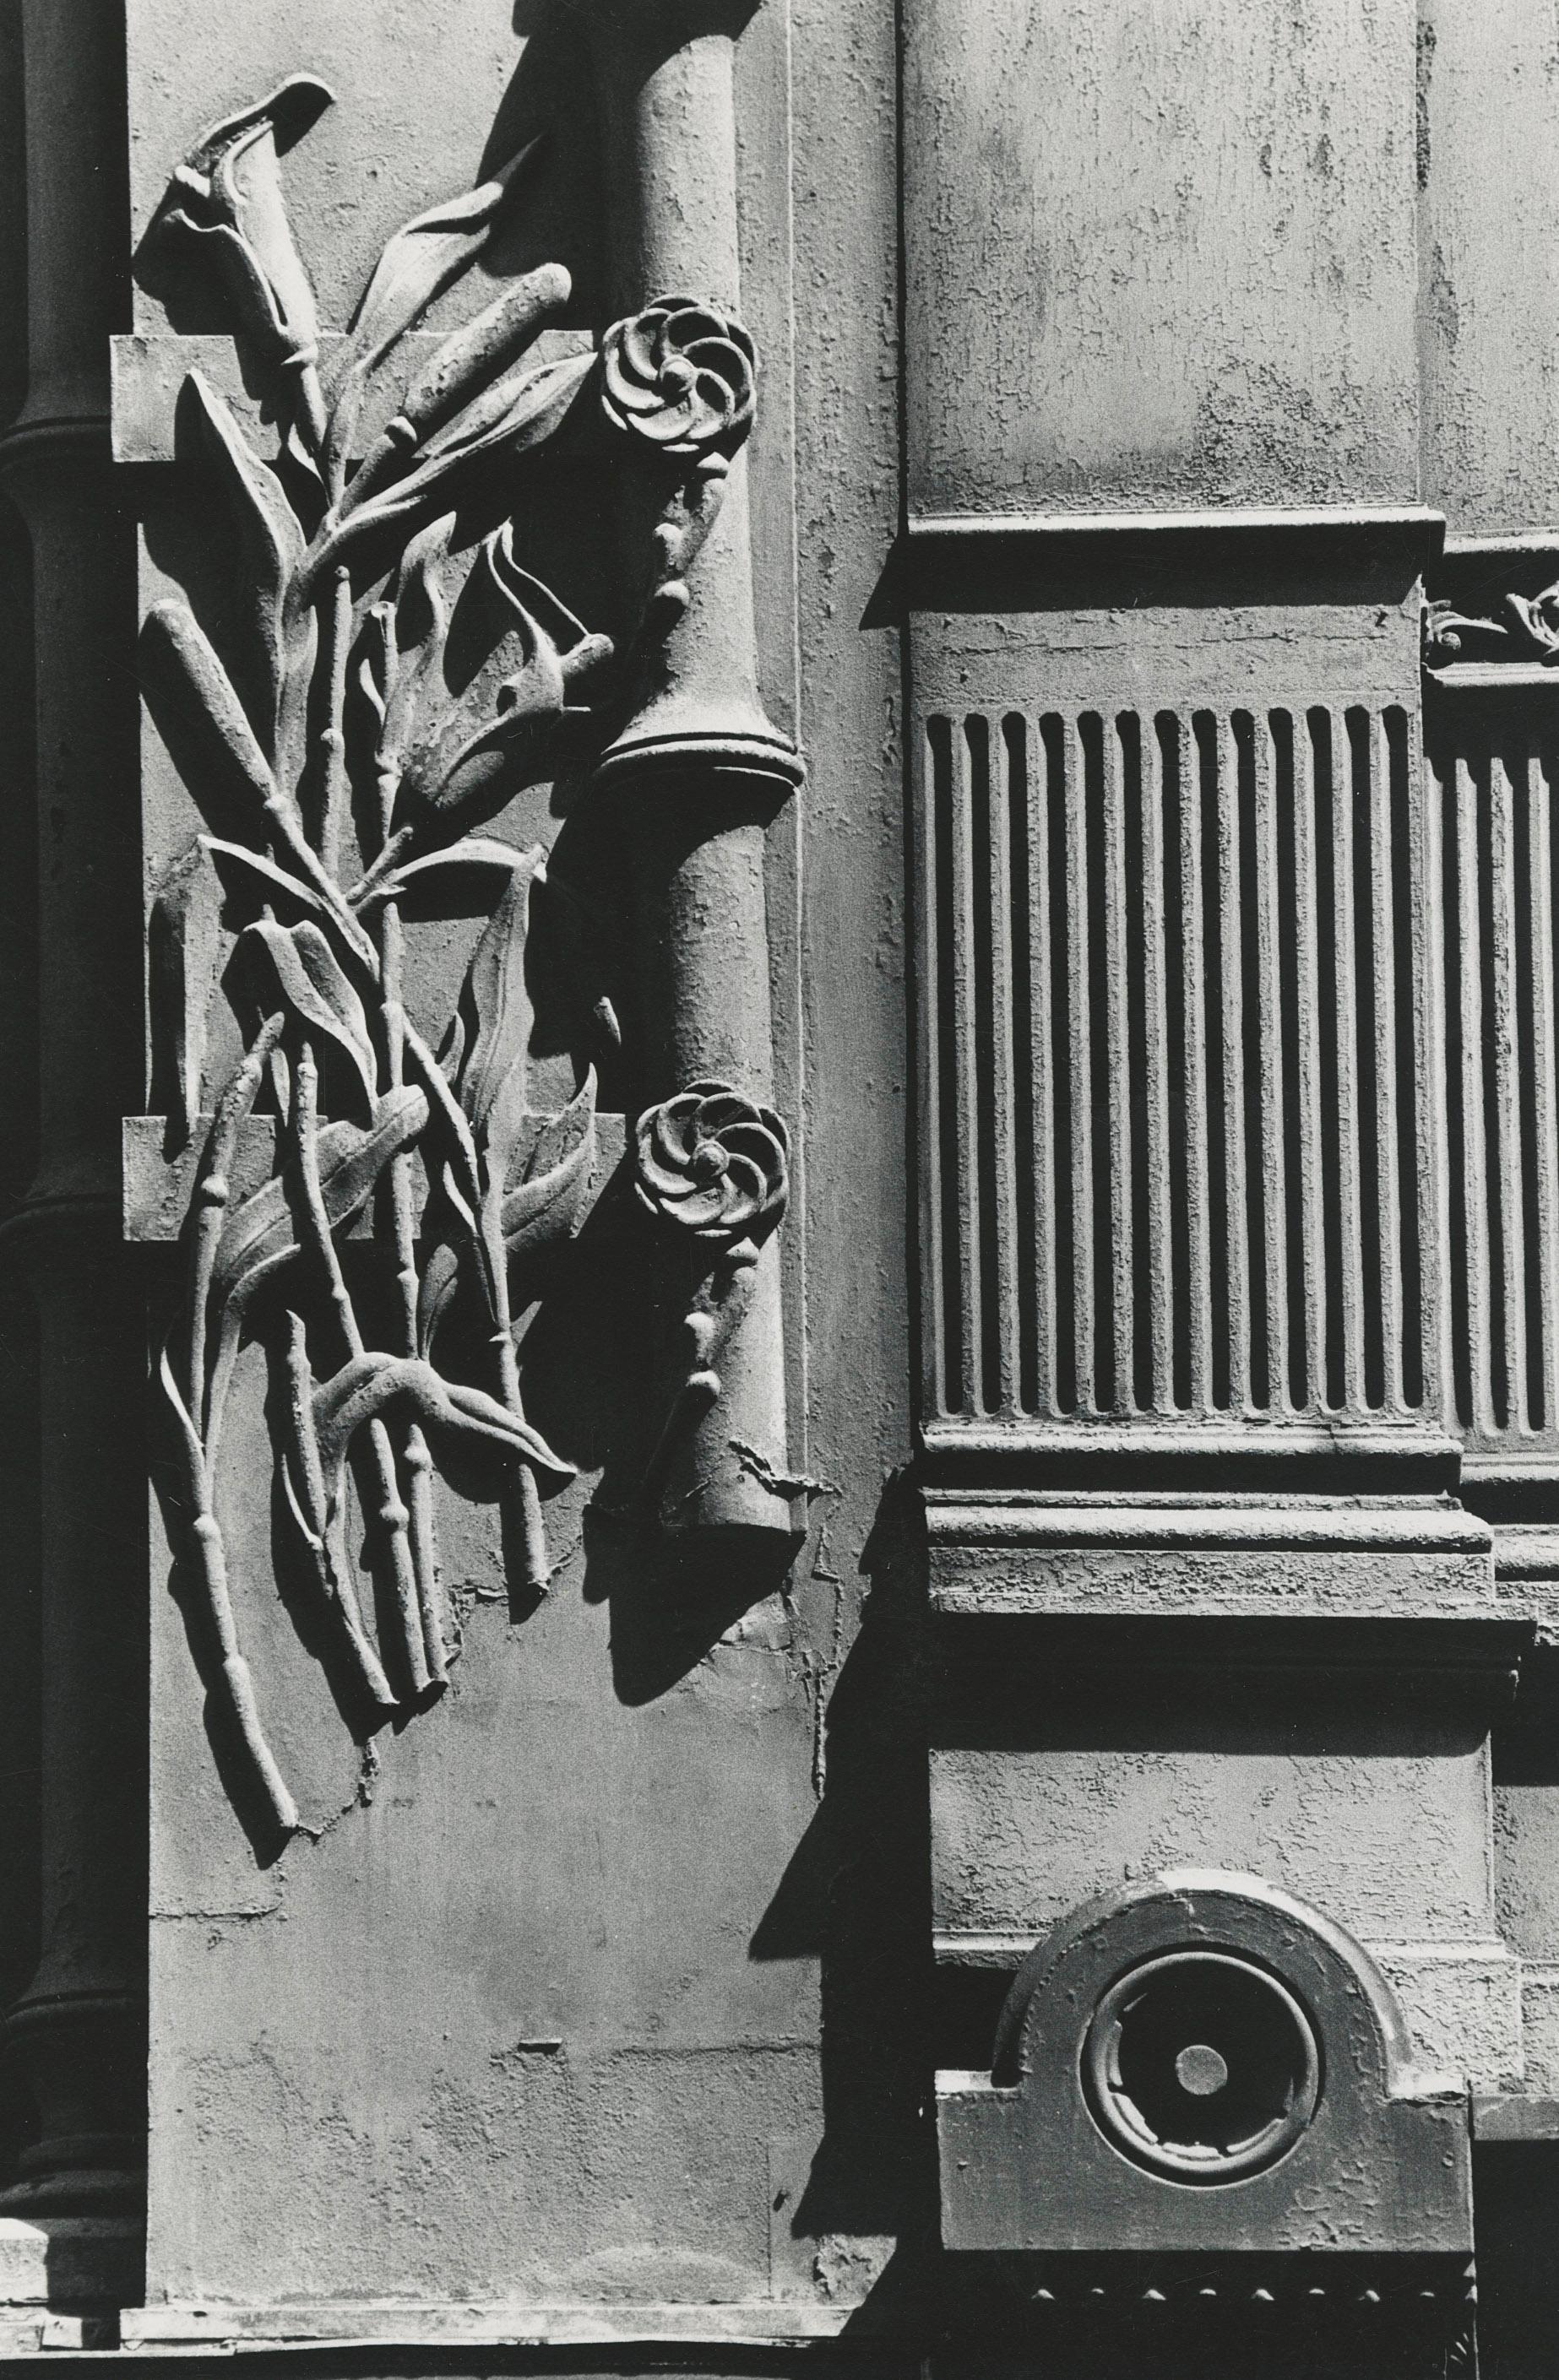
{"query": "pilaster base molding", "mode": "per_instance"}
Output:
(1132, 1559)
(84, 2053)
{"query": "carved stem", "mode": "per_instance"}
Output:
(390, 1515)
(333, 1573)
(211, 1556)
(431, 1601)
(332, 736)
(212, 1198)
(535, 1568)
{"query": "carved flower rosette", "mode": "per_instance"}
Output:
(714, 1165)
(682, 376)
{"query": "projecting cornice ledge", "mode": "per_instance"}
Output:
(962, 562)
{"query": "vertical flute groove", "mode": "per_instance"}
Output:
(1041, 794)
(937, 1189)
(1005, 1321)
(1193, 962)
(1510, 1387)
(1275, 1222)
(1345, 949)
(1079, 1060)
(965, 1075)
(1117, 1065)
(1545, 1367)
(1232, 1003)
(1307, 1065)
(1161, 1306)
(1387, 1088)
(1480, 1281)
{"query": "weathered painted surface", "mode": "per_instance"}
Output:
(1159, 257)
(1489, 305)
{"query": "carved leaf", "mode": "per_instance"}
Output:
(302, 1470)
(493, 1079)
(421, 627)
(260, 1233)
(362, 1389)
(472, 851)
(421, 259)
(195, 1453)
(273, 547)
(494, 1074)
(522, 407)
(441, 1279)
(310, 981)
(271, 880)
(182, 964)
(545, 1204)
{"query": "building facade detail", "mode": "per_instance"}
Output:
(782, 1538)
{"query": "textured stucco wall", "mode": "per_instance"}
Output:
(1159, 257)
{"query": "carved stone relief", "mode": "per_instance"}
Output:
(393, 671)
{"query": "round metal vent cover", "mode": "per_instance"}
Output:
(1202, 2066)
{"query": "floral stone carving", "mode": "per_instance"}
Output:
(352, 579)
(713, 1169)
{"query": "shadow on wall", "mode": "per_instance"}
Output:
(857, 1897)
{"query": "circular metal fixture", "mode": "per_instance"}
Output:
(1202, 2066)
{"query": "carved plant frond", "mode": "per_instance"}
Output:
(1527, 630)
(542, 1203)
(442, 1276)
(261, 1230)
(314, 986)
(546, 1203)
(476, 753)
(486, 345)
(470, 359)
(413, 632)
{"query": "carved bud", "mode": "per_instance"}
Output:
(227, 195)
(473, 749)
(715, 1163)
(682, 376)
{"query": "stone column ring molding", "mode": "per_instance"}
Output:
(703, 769)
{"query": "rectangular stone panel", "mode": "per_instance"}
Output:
(1159, 256)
